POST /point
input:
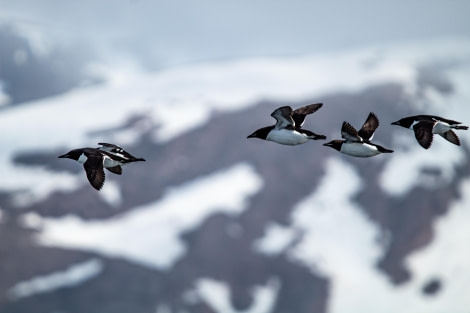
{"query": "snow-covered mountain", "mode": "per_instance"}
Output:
(215, 222)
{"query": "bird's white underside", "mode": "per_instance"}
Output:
(287, 137)
(359, 149)
(440, 128)
(108, 162)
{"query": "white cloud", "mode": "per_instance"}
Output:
(161, 34)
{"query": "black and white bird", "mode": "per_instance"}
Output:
(288, 128)
(425, 126)
(95, 160)
(357, 143)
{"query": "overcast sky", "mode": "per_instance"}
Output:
(166, 33)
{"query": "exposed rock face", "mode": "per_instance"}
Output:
(222, 247)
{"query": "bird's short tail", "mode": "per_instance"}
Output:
(319, 137)
(461, 127)
(312, 135)
(384, 150)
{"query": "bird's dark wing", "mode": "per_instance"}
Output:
(118, 153)
(299, 114)
(283, 116)
(115, 169)
(423, 133)
(119, 157)
(436, 118)
(94, 171)
(451, 137)
(110, 147)
(367, 130)
(349, 133)
(310, 134)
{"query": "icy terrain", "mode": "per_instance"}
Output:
(327, 230)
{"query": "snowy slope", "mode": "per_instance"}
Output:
(341, 243)
(158, 225)
(180, 99)
(72, 276)
(327, 231)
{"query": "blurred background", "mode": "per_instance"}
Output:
(213, 221)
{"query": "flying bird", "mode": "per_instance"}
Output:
(94, 160)
(357, 143)
(288, 128)
(425, 126)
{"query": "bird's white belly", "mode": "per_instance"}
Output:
(440, 128)
(359, 150)
(108, 162)
(287, 137)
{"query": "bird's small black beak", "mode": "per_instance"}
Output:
(396, 123)
(251, 136)
(63, 156)
(327, 144)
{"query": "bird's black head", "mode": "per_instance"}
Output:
(404, 122)
(73, 154)
(335, 144)
(261, 133)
